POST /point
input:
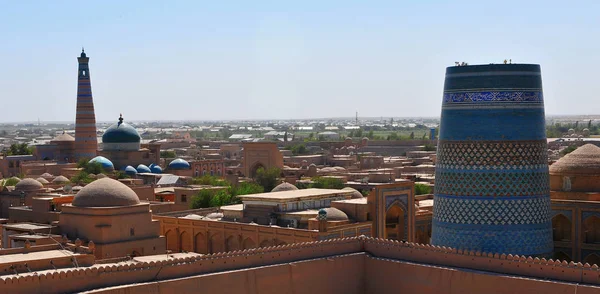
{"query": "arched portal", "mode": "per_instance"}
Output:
(561, 228)
(591, 230)
(232, 243)
(394, 223)
(185, 242)
(248, 244)
(592, 259)
(255, 168)
(200, 242)
(561, 256)
(171, 236)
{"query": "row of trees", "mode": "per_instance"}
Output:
(557, 130)
(19, 149)
(226, 196)
(168, 154)
(298, 149)
(322, 183)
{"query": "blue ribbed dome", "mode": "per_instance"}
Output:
(179, 164)
(130, 170)
(106, 164)
(155, 169)
(143, 169)
(121, 133)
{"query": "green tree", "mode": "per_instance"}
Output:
(121, 175)
(327, 183)
(168, 154)
(10, 182)
(210, 180)
(302, 185)
(225, 133)
(82, 163)
(568, 150)
(370, 135)
(246, 188)
(82, 178)
(311, 136)
(19, 149)
(219, 199)
(90, 167)
(267, 178)
(359, 133)
(421, 189)
(412, 135)
(94, 168)
(297, 149)
(201, 199)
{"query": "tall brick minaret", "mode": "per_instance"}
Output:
(86, 144)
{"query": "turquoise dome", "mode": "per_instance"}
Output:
(121, 133)
(106, 164)
(179, 164)
(130, 170)
(143, 169)
(155, 169)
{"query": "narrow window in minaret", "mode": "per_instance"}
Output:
(83, 72)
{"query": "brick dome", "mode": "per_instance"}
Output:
(355, 193)
(64, 137)
(284, 187)
(42, 181)
(585, 160)
(60, 180)
(28, 185)
(105, 193)
(334, 214)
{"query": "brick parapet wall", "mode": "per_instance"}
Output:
(105, 275)
(498, 263)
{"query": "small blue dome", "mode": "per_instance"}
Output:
(179, 164)
(106, 164)
(121, 133)
(130, 170)
(151, 165)
(155, 169)
(143, 169)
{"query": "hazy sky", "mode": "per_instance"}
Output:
(196, 60)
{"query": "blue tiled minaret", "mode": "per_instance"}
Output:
(491, 181)
(86, 143)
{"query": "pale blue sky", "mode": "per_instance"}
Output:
(196, 60)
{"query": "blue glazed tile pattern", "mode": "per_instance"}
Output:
(492, 155)
(532, 241)
(493, 211)
(496, 183)
(494, 96)
(497, 124)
